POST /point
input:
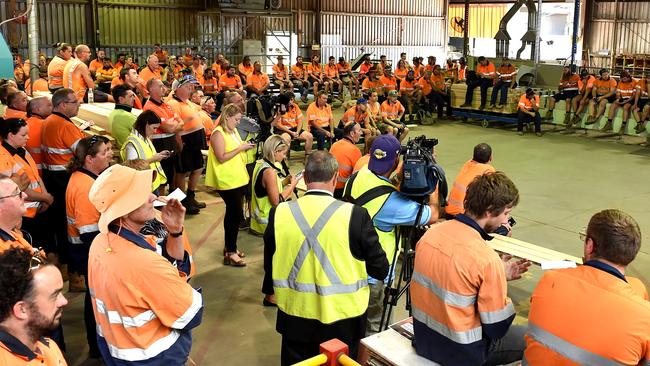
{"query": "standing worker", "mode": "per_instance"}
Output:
(481, 163)
(319, 252)
(56, 66)
(76, 76)
(461, 312)
(528, 111)
(593, 314)
(346, 153)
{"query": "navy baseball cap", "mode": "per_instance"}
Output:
(383, 152)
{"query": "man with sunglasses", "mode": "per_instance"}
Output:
(31, 305)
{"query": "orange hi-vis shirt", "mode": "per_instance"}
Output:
(81, 213)
(570, 84)
(425, 85)
(418, 71)
(257, 80)
(391, 111)
(188, 113)
(526, 104)
(95, 65)
(319, 117)
(13, 163)
(245, 70)
(438, 81)
(315, 70)
(55, 72)
(344, 70)
(14, 353)
(388, 83)
(352, 115)
(216, 68)
(147, 74)
(365, 67)
(642, 86)
(507, 73)
(59, 138)
(331, 72)
(462, 71)
(587, 316)
(470, 170)
(232, 82)
(35, 124)
(604, 86)
(374, 110)
(39, 86)
(211, 85)
(346, 154)
(14, 239)
(401, 73)
(168, 117)
(142, 303)
(293, 117)
(367, 84)
(280, 72)
(298, 71)
(104, 75)
(407, 87)
(74, 81)
(362, 162)
(14, 113)
(488, 71)
(627, 89)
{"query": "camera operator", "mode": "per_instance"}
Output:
(461, 314)
(388, 209)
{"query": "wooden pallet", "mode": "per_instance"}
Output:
(532, 252)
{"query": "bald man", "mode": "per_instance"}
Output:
(76, 76)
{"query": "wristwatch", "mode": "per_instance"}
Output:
(176, 235)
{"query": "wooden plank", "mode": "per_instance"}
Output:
(534, 253)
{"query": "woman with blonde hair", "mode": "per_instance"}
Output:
(226, 171)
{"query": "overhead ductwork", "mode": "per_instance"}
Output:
(503, 38)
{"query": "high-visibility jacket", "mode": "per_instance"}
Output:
(298, 71)
(642, 86)
(470, 170)
(486, 71)
(280, 72)
(570, 84)
(13, 113)
(231, 173)
(604, 86)
(319, 116)
(251, 154)
(363, 182)
(627, 89)
(346, 154)
(35, 124)
(293, 117)
(586, 316)
(74, 80)
(506, 73)
(40, 85)
(407, 87)
(143, 307)
(59, 138)
(190, 115)
(27, 166)
(15, 353)
(167, 117)
(145, 150)
(314, 274)
(391, 111)
(13, 239)
(261, 206)
(81, 213)
(55, 72)
(227, 81)
(458, 293)
(388, 83)
(526, 104)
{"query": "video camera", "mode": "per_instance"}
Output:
(421, 173)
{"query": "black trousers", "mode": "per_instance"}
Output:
(501, 86)
(439, 100)
(169, 144)
(56, 223)
(527, 118)
(293, 351)
(484, 84)
(234, 199)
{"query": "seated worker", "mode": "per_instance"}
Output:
(245, 69)
(418, 68)
(375, 123)
(425, 84)
(300, 78)
(440, 95)
(581, 101)
(346, 153)
(281, 76)
(320, 120)
(388, 83)
(388, 209)
(641, 109)
(506, 76)
(603, 92)
(119, 254)
(198, 68)
(400, 72)
(77, 77)
(528, 111)
(291, 126)
(210, 84)
(32, 304)
(451, 72)
(383, 64)
(331, 79)
(626, 96)
(231, 82)
(485, 76)
(461, 312)
(462, 70)
(105, 75)
(347, 77)
(392, 112)
(365, 66)
(359, 114)
(372, 82)
(315, 73)
(481, 163)
(257, 83)
(409, 92)
(607, 319)
(40, 85)
(568, 89)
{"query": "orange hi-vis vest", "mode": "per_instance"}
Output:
(59, 138)
(604, 86)
(14, 113)
(627, 89)
(292, 118)
(15, 353)
(346, 154)
(320, 117)
(55, 72)
(74, 81)
(35, 124)
(587, 316)
(298, 71)
(166, 115)
(40, 85)
(280, 72)
(570, 84)
(189, 114)
(507, 73)
(81, 213)
(13, 163)
(391, 111)
(470, 170)
(14, 239)
(526, 104)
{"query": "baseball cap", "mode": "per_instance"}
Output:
(383, 152)
(187, 79)
(392, 93)
(362, 101)
(119, 191)
(280, 57)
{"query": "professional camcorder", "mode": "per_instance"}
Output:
(421, 173)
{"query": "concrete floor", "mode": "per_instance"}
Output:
(563, 180)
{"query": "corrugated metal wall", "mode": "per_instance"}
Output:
(632, 28)
(483, 19)
(424, 8)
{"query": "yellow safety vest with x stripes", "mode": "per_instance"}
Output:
(314, 274)
(145, 151)
(261, 206)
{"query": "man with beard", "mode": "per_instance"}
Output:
(31, 305)
(76, 76)
(129, 77)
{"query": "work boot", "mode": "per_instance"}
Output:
(590, 121)
(481, 107)
(191, 196)
(77, 282)
(567, 119)
(608, 127)
(466, 105)
(575, 121)
(190, 208)
(621, 131)
(639, 127)
(549, 115)
(492, 106)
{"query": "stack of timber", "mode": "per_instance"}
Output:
(458, 92)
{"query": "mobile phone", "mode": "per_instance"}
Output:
(299, 174)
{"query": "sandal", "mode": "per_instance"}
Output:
(232, 259)
(239, 253)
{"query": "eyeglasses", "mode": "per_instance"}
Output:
(18, 193)
(583, 234)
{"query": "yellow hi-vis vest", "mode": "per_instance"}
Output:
(364, 181)
(251, 155)
(145, 150)
(261, 206)
(232, 173)
(314, 274)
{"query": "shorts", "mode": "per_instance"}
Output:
(643, 102)
(626, 101)
(346, 79)
(98, 96)
(313, 80)
(565, 95)
(611, 99)
(189, 160)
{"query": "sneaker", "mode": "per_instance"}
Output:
(567, 119)
(190, 208)
(245, 224)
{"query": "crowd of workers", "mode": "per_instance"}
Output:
(64, 202)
